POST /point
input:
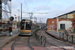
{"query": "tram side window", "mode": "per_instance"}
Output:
(28, 26)
(22, 26)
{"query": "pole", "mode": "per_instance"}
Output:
(40, 22)
(31, 15)
(18, 19)
(57, 24)
(18, 14)
(36, 20)
(0, 9)
(21, 11)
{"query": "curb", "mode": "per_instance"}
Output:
(55, 36)
(58, 37)
(10, 40)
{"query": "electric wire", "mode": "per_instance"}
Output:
(47, 4)
(26, 4)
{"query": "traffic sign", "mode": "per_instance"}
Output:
(15, 17)
(11, 18)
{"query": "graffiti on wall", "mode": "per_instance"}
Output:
(51, 27)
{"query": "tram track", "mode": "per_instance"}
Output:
(53, 39)
(55, 45)
(18, 42)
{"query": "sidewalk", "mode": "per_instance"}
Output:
(56, 35)
(7, 38)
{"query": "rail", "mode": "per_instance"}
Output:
(67, 37)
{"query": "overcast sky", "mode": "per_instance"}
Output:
(54, 8)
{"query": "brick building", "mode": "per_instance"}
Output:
(52, 23)
(64, 21)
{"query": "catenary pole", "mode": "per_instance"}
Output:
(21, 11)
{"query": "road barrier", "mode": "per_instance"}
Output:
(41, 39)
(67, 37)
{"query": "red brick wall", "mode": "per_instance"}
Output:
(53, 26)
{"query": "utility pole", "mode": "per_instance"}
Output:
(31, 15)
(21, 11)
(0, 9)
(18, 14)
(40, 22)
(36, 20)
(57, 24)
(18, 17)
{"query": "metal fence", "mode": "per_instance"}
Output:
(67, 37)
(41, 39)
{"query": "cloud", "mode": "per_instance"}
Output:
(42, 8)
(54, 8)
(15, 4)
(70, 8)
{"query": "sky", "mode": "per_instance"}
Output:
(48, 8)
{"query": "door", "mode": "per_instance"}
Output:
(62, 26)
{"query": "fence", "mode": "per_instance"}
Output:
(41, 39)
(67, 37)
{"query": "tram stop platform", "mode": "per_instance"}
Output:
(7, 38)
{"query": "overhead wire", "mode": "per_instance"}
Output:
(47, 4)
(26, 5)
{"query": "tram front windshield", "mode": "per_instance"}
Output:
(26, 26)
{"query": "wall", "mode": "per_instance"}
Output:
(66, 16)
(63, 16)
(70, 16)
(52, 23)
(68, 24)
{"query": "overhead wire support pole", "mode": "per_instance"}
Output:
(18, 17)
(18, 14)
(10, 8)
(57, 23)
(0, 10)
(21, 11)
(31, 15)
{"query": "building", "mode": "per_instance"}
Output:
(68, 15)
(64, 21)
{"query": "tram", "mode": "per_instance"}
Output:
(26, 27)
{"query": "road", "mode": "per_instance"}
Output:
(53, 42)
(30, 43)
